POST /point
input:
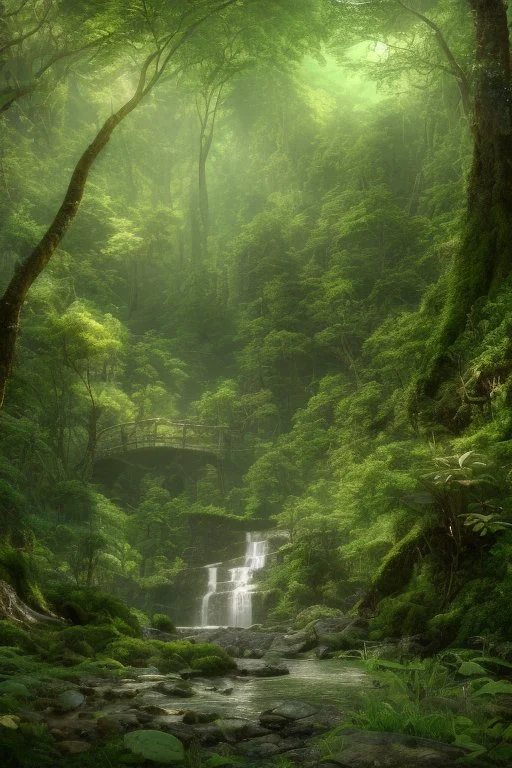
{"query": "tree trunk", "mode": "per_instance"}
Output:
(203, 202)
(484, 259)
(26, 272)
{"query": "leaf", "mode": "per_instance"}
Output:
(9, 721)
(495, 688)
(156, 746)
(469, 668)
(464, 457)
(494, 661)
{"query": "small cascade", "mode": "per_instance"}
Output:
(212, 589)
(230, 601)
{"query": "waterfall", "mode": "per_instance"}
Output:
(230, 602)
(212, 589)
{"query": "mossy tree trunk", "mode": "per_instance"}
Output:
(484, 259)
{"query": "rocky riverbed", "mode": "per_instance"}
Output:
(265, 711)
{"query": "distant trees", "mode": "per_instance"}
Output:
(167, 33)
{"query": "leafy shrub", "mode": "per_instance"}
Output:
(162, 622)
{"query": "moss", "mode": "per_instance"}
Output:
(397, 567)
(342, 641)
(132, 651)
(15, 635)
(96, 637)
(16, 570)
(168, 657)
(29, 746)
(446, 624)
(162, 622)
(313, 613)
(88, 606)
(213, 665)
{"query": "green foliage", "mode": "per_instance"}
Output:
(14, 634)
(90, 606)
(171, 657)
(162, 621)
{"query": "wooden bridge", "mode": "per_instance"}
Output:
(161, 433)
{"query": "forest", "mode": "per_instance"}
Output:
(255, 383)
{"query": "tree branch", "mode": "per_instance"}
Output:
(455, 68)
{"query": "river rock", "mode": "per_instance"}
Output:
(185, 733)
(262, 668)
(272, 721)
(146, 672)
(125, 692)
(153, 702)
(181, 689)
(117, 722)
(234, 729)
(303, 755)
(266, 746)
(323, 720)
(295, 642)
(74, 747)
(191, 717)
(294, 710)
(235, 637)
(366, 749)
(69, 700)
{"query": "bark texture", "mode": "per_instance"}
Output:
(484, 259)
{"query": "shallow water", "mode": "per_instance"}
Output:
(332, 682)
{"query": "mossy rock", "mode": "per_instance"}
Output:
(95, 637)
(342, 641)
(313, 613)
(213, 665)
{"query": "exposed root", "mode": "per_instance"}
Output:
(12, 607)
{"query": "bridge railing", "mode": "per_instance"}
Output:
(156, 433)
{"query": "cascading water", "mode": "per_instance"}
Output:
(212, 589)
(230, 602)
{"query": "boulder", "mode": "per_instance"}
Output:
(294, 710)
(294, 643)
(262, 668)
(323, 652)
(234, 729)
(366, 749)
(118, 722)
(182, 689)
(331, 625)
(272, 721)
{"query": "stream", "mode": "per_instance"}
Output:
(326, 682)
